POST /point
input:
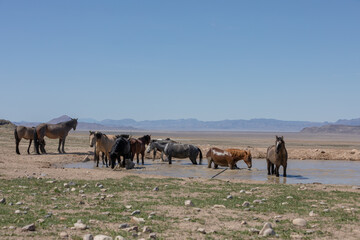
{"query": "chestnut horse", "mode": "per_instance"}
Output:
(228, 157)
(277, 155)
(138, 146)
(27, 133)
(54, 131)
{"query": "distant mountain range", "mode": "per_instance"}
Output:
(332, 128)
(196, 125)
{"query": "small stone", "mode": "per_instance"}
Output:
(88, 237)
(19, 203)
(63, 235)
(156, 189)
(73, 189)
(309, 231)
(201, 230)
(243, 223)
(312, 214)
(326, 210)
(147, 229)
(269, 232)
(247, 209)
(103, 190)
(128, 206)
(257, 201)
(66, 185)
(284, 203)
(124, 225)
(242, 191)
(189, 203)
(289, 197)
(135, 212)
(40, 220)
(79, 225)
(218, 206)
(3, 201)
(152, 235)
(119, 238)
(30, 227)
(299, 222)
(229, 197)
(254, 231)
(246, 204)
(102, 237)
(17, 212)
(106, 213)
(132, 229)
(137, 220)
(51, 181)
(266, 226)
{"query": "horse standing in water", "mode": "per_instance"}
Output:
(54, 131)
(138, 146)
(277, 155)
(179, 150)
(120, 148)
(27, 133)
(158, 145)
(228, 157)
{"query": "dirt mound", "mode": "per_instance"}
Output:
(6, 124)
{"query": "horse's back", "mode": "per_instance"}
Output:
(270, 154)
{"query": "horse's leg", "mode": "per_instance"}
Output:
(137, 158)
(59, 145)
(209, 162)
(284, 166)
(63, 145)
(42, 147)
(96, 158)
(215, 166)
(268, 166)
(154, 154)
(231, 165)
(142, 157)
(169, 159)
(17, 146)
(29, 146)
(277, 170)
(106, 161)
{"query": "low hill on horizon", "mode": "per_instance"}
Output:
(333, 129)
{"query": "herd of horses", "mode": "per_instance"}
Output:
(113, 147)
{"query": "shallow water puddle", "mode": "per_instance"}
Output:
(299, 171)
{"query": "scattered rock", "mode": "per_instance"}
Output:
(257, 201)
(189, 203)
(129, 164)
(156, 189)
(102, 237)
(106, 213)
(124, 225)
(326, 210)
(147, 229)
(312, 214)
(266, 226)
(128, 206)
(254, 231)
(299, 222)
(243, 223)
(152, 235)
(289, 197)
(135, 212)
(63, 235)
(218, 206)
(88, 237)
(246, 204)
(284, 203)
(80, 225)
(201, 230)
(30, 227)
(137, 220)
(132, 229)
(3, 201)
(119, 238)
(229, 197)
(19, 203)
(242, 191)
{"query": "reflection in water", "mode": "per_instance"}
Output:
(299, 171)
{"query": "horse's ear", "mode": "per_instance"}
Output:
(282, 138)
(276, 137)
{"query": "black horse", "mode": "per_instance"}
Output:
(120, 148)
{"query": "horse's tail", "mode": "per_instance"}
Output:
(36, 142)
(17, 140)
(200, 156)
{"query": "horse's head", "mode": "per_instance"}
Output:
(150, 147)
(279, 143)
(92, 139)
(74, 123)
(248, 159)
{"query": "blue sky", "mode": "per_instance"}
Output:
(210, 60)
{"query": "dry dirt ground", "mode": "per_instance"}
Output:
(300, 146)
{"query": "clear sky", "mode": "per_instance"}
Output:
(210, 60)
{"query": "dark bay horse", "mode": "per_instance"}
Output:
(27, 133)
(138, 147)
(277, 155)
(228, 157)
(158, 145)
(54, 131)
(120, 148)
(179, 150)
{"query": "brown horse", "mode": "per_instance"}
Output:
(54, 131)
(21, 132)
(138, 146)
(228, 157)
(277, 155)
